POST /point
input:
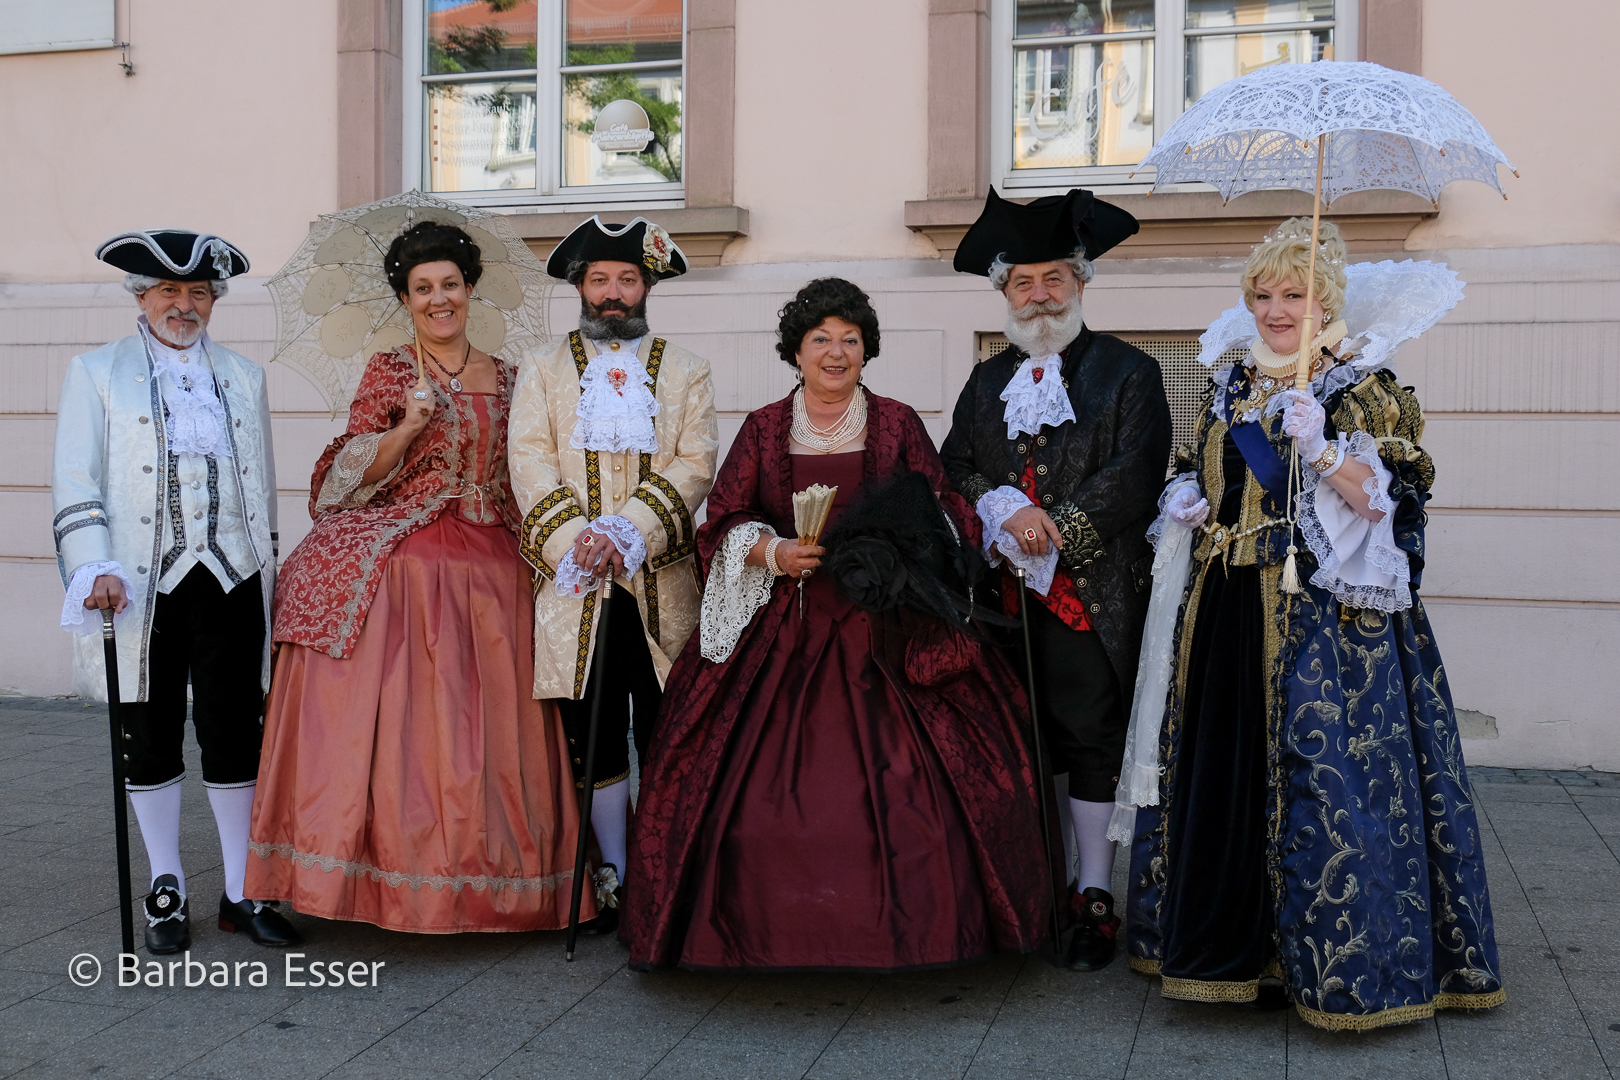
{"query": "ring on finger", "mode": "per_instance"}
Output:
(1029, 534)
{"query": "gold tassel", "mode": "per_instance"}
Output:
(1290, 573)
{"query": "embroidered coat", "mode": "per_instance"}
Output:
(331, 577)
(1098, 477)
(561, 489)
(110, 487)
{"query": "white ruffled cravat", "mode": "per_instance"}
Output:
(615, 406)
(196, 420)
(1036, 396)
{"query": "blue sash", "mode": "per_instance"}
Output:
(1252, 443)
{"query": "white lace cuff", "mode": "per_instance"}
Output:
(1156, 530)
(995, 507)
(734, 591)
(344, 487)
(573, 580)
(77, 617)
(1358, 560)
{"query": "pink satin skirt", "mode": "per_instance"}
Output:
(417, 784)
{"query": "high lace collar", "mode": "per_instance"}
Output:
(1279, 366)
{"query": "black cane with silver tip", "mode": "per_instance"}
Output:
(588, 795)
(1042, 774)
(126, 898)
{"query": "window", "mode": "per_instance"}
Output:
(1083, 88)
(29, 26)
(530, 101)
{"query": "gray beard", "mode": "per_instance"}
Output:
(1046, 333)
(181, 339)
(613, 326)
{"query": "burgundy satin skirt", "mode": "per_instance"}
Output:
(417, 784)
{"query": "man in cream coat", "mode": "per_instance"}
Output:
(165, 499)
(612, 444)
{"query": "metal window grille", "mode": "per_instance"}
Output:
(1185, 379)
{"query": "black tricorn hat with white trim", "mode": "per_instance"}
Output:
(640, 242)
(1043, 230)
(173, 255)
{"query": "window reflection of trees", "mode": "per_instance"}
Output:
(663, 154)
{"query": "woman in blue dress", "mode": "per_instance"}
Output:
(1311, 836)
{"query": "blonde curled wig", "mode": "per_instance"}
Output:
(1285, 256)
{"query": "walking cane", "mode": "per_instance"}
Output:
(126, 898)
(1043, 777)
(588, 795)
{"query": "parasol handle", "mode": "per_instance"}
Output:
(1302, 368)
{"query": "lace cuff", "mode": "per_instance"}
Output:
(1156, 530)
(344, 487)
(994, 508)
(573, 580)
(734, 591)
(77, 617)
(1358, 560)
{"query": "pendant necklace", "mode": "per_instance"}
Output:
(455, 383)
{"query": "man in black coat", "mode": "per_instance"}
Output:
(1062, 442)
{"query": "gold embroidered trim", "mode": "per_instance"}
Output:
(650, 591)
(1142, 965)
(536, 534)
(673, 494)
(583, 658)
(1471, 1001)
(655, 358)
(1082, 543)
(600, 784)
(975, 487)
(1400, 1014)
(395, 878)
(1198, 990)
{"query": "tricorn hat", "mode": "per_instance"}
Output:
(1045, 230)
(641, 242)
(174, 255)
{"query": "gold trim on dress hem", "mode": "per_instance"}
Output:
(1145, 967)
(1200, 990)
(1400, 1014)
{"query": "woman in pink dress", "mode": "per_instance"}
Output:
(409, 779)
(830, 787)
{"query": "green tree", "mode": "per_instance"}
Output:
(597, 91)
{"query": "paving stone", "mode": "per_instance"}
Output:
(1053, 1018)
(1538, 998)
(793, 1017)
(704, 1059)
(32, 1030)
(279, 1050)
(1499, 1055)
(454, 1045)
(158, 1040)
(1409, 1050)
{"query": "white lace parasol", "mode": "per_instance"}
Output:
(335, 310)
(1388, 129)
(1385, 304)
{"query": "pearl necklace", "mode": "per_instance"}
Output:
(826, 440)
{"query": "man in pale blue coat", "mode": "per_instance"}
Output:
(165, 500)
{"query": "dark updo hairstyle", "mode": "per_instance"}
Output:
(824, 298)
(430, 241)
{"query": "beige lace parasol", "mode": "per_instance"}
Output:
(334, 309)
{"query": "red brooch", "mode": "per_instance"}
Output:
(617, 378)
(1036, 373)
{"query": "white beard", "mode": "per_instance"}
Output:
(183, 338)
(1045, 332)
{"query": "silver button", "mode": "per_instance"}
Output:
(95, 513)
(1096, 608)
(1041, 441)
(128, 736)
(126, 757)
(146, 521)
(140, 378)
(200, 547)
(196, 485)
(1022, 448)
(1046, 499)
(1041, 469)
(140, 569)
(1012, 478)
(145, 420)
(1081, 583)
(198, 515)
(227, 384)
(146, 468)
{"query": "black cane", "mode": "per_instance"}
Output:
(126, 899)
(588, 795)
(1043, 776)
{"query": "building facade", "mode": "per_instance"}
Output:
(779, 142)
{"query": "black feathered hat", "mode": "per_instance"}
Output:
(1045, 230)
(640, 242)
(173, 255)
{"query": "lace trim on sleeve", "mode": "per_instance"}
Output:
(344, 487)
(994, 508)
(77, 617)
(1358, 560)
(1156, 530)
(734, 592)
(572, 580)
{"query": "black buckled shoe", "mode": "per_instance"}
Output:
(605, 883)
(258, 920)
(168, 917)
(1092, 947)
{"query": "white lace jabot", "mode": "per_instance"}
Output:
(1036, 396)
(616, 405)
(196, 417)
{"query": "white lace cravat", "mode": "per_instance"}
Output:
(616, 406)
(196, 417)
(1035, 400)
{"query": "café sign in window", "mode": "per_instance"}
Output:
(1083, 88)
(549, 100)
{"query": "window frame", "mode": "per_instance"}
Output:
(1168, 37)
(549, 192)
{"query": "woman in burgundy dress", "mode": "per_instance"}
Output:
(818, 797)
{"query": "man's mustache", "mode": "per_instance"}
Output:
(613, 305)
(1044, 307)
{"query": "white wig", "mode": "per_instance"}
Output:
(137, 284)
(1084, 269)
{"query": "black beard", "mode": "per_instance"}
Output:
(612, 324)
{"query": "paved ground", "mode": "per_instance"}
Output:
(508, 1006)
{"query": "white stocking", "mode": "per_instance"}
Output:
(159, 815)
(1071, 856)
(610, 812)
(1096, 850)
(233, 813)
